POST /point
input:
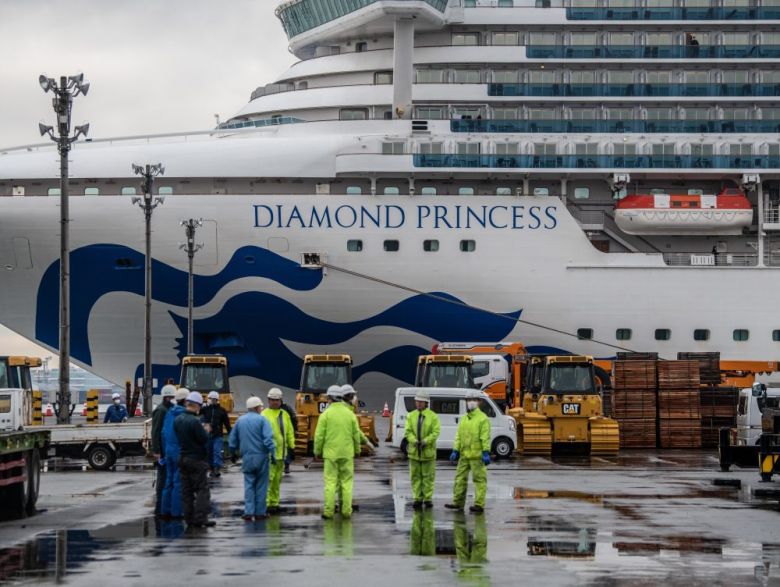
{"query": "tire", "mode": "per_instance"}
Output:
(503, 447)
(101, 457)
(34, 481)
(725, 468)
(766, 477)
(14, 505)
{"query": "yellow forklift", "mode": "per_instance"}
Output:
(561, 409)
(318, 374)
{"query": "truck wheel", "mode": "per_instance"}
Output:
(503, 447)
(101, 457)
(33, 480)
(14, 505)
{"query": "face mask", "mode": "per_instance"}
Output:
(116, 401)
(471, 406)
(214, 402)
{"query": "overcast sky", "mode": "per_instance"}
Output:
(154, 66)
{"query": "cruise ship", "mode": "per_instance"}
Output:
(582, 176)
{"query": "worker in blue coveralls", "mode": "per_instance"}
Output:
(116, 412)
(253, 437)
(171, 507)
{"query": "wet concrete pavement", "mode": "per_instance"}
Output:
(644, 518)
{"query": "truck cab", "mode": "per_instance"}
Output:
(749, 409)
(16, 391)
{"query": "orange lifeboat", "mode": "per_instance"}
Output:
(684, 214)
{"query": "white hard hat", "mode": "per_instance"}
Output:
(181, 394)
(347, 389)
(116, 396)
(274, 393)
(422, 397)
(253, 402)
(334, 391)
(195, 398)
(168, 391)
(473, 394)
(213, 395)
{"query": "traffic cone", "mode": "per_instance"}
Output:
(386, 411)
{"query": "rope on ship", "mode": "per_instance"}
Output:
(459, 303)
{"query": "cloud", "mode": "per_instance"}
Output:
(154, 66)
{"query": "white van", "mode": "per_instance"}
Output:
(449, 404)
(749, 414)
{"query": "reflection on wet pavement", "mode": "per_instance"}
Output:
(647, 519)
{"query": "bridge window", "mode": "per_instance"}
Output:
(53, 192)
(391, 246)
(470, 39)
(91, 191)
(663, 334)
(585, 333)
(776, 335)
(128, 191)
(741, 334)
(701, 334)
(354, 246)
(623, 334)
(468, 246)
(430, 246)
(353, 114)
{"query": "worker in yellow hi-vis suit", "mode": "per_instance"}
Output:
(284, 439)
(472, 453)
(421, 433)
(337, 441)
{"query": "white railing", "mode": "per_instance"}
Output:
(772, 214)
(711, 259)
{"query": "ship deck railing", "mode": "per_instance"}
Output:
(615, 126)
(652, 51)
(634, 90)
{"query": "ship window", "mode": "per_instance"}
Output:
(677, 204)
(623, 334)
(383, 77)
(353, 114)
(466, 76)
(430, 112)
(505, 38)
(302, 85)
(585, 333)
(701, 334)
(430, 76)
(391, 246)
(470, 39)
(581, 193)
(391, 190)
(17, 190)
(91, 191)
(741, 334)
(776, 335)
(620, 77)
(663, 334)
(541, 191)
(468, 246)
(354, 190)
(428, 191)
(128, 191)
(354, 246)
(469, 3)
(395, 148)
(695, 192)
(164, 191)
(507, 148)
(465, 191)
(505, 113)
(736, 38)
(430, 246)
(361, 46)
(503, 191)
(658, 39)
(468, 148)
(506, 76)
(54, 192)
(466, 113)
(542, 39)
(431, 148)
(506, 3)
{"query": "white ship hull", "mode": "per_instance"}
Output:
(256, 305)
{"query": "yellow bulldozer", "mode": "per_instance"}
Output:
(318, 374)
(561, 409)
(205, 373)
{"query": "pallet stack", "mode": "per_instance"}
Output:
(634, 401)
(679, 405)
(718, 410)
(709, 366)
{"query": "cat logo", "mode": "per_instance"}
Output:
(570, 409)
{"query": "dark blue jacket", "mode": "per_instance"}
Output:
(115, 414)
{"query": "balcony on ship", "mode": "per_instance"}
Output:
(598, 161)
(616, 126)
(633, 90)
(672, 11)
(653, 51)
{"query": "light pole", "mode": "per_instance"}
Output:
(147, 203)
(64, 92)
(190, 226)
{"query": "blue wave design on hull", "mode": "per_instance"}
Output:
(250, 327)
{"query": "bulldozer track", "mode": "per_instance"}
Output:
(604, 437)
(534, 437)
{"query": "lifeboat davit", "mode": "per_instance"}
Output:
(684, 214)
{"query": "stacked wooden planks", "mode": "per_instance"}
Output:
(634, 401)
(709, 366)
(718, 410)
(679, 406)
